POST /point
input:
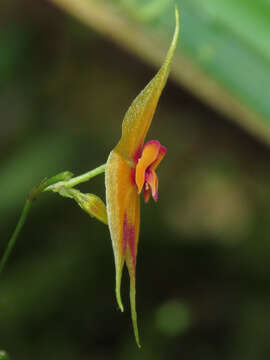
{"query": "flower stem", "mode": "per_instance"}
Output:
(78, 179)
(15, 234)
(86, 176)
(35, 192)
(62, 180)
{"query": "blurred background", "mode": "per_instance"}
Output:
(67, 75)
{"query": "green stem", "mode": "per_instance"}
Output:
(54, 183)
(78, 179)
(85, 177)
(15, 234)
(36, 191)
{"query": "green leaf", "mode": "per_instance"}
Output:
(223, 55)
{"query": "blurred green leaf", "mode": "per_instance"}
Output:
(223, 55)
(3, 355)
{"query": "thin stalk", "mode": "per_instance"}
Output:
(63, 179)
(15, 234)
(78, 179)
(35, 192)
(85, 177)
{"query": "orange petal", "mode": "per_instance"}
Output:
(149, 155)
(123, 203)
(132, 297)
(161, 154)
(123, 210)
(132, 231)
(139, 116)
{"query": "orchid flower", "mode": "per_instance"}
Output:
(131, 168)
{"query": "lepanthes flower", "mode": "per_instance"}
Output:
(131, 168)
(145, 175)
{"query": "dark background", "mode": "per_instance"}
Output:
(203, 266)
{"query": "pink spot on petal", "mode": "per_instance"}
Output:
(162, 150)
(125, 235)
(129, 239)
(133, 176)
(137, 154)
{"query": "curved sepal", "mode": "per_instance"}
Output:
(123, 183)
(123, 210)
(139, 116)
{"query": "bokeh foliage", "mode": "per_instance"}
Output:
(223, 56)
(203, 266)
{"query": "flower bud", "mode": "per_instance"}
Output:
(93, 205)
